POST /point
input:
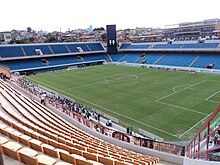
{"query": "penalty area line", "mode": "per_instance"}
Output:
(194, 126)
(211, 96)
(181, 90)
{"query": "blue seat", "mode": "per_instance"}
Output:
(11, 51)
(30, 49)
(208, 58)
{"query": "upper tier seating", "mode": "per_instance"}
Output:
(10, 51)
(200, 45)
(134, 46)
(167, 46)
(21, 50)
(31, 49)
(59, 48)
(95, 46)
(124, 46)
(48, 133)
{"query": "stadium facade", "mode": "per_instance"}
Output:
(207, 29)
(186, 56)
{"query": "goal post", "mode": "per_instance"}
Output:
(72, 67)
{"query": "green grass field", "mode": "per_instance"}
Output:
(170, 104)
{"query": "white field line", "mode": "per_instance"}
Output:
(105, 81)
(180, 90)
(212, 95)
(212, 101)
(109, 110)
(186, 109)
(174, 89)
(194, 125)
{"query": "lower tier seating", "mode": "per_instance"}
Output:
(33, 134)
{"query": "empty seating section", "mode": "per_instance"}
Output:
(170, 59)
(124, 46)
(117, 57)
(200, 45)
(84, 47)
(138, 46)
(150, 58)
(24, 64)
(40, 136)
(167, 46)
(7, 51)
(177, 59)
(208, 58)
(95, 46)
(36, 63)
(10, 51)
(65, 60)
(131, 57)
(31, 49)
(72, 48)
(59, 48)
(94, 57)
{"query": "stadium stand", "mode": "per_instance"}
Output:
(59, 48)
(94, 46)
(7, 51)
(177, 59)
(124, 46)
(36, 63)
(131, 57)
(134, 46)
(30, 50)
(48, 134)
(200, 45)
(167, 46)
(208, 58)
(150, 58)
(164, 45)
(10, 51)
(32, 128)
(117, 57)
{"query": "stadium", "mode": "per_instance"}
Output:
(134, 103)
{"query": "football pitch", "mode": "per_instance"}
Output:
(169, 104)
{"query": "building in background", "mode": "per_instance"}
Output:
(207, 29)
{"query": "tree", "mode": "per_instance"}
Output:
(103, 36)
(29, 30)
(97, 29)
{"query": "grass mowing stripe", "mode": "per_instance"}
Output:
(136, 99)
(107, 109)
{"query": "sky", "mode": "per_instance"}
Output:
(53, 15)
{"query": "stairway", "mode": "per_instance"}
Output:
(139, 57)
(50, 49)
(120, 60)
(195, 60)
(158, 60)
(23, 51)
